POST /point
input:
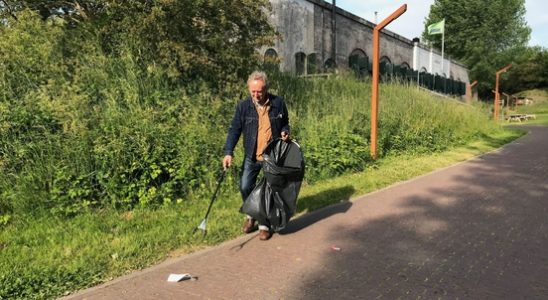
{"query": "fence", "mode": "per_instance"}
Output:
(429, 81)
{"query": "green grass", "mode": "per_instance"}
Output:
(539, 107)
(541, 119)
(51, 256)
(537, 95)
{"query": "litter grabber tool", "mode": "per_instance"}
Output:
(203, 224)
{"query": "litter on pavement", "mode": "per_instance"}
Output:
(335, 248)
(179, 277)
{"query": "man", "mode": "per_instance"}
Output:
(261, 117)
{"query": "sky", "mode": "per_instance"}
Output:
(411, 23)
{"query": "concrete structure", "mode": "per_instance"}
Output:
(309, 37)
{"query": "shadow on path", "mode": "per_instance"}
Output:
(475, 231)
(337, 201)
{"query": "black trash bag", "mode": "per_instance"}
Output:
(254, 206)
(273, 201)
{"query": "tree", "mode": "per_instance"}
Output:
(530, 71)
(213, 40)
(210, 40)
(480, 34)
(67, 9)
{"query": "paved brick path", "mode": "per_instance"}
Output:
(477, 230)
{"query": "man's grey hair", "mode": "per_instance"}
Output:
(258, 75)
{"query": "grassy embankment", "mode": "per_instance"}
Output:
(539, 107)
(62, 247)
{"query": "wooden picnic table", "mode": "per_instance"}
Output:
(520, 117)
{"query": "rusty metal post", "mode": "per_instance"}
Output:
(375, 81)
(497, 101)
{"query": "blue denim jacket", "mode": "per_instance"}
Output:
(246, 121)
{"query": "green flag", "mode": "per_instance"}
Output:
(437, 28)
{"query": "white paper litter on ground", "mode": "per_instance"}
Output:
(178, 277)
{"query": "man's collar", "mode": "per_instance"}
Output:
(271, 98)
(266, 103)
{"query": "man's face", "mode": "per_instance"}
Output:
(257, 89)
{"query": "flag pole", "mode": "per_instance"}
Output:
(442, 48)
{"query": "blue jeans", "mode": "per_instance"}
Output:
(248, 176)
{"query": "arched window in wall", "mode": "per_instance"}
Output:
(358, 61)
(403, 71)
(311, 67)
(300, 63)
(271, 58)
(424, 77)
(329, 65)
(385, 65)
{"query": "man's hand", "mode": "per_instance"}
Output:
(285, 136)
(227, 161)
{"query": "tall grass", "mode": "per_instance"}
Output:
(332, 116)
(132, 141)
(83, 130)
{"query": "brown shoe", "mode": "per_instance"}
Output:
(248, 226)
(264, 235)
